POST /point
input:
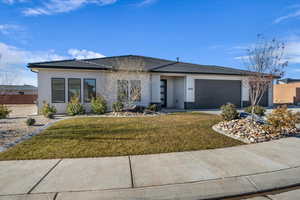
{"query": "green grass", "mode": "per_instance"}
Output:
(97, 136)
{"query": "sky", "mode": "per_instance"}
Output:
(214, 32)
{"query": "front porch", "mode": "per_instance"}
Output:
(172, 93)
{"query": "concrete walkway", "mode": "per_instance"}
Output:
(186, 175)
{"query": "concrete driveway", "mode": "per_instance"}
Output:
(22, 110)
(186, 175)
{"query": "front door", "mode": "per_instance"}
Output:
(163, 93)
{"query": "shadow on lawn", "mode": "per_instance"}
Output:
(86, 138)
(96, 131)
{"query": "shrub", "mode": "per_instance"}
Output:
(258, 110)
(98, 105)
(117, 106)
(74, 107)
(229, 112)
(30, 121)
(48, 110)
(4, 111)
(281, 120)
(153, 107)
(297, 115)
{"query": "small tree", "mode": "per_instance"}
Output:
(266, 61)
(124, 80)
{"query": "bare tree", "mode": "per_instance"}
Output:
(6, 78)
(125, 81)
(266, 61)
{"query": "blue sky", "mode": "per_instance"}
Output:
(213, 32)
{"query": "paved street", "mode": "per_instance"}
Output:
(186, 175)
(291, 195)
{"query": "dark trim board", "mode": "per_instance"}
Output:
(165, 86)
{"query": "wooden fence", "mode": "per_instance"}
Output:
(18, 99)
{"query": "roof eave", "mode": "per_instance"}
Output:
(179, 72)
(63, 67)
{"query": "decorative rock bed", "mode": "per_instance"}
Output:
(249, 132)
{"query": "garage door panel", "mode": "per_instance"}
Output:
(215, 93)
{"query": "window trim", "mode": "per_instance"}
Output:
(84, 88)
(64, 101)
(69, 99)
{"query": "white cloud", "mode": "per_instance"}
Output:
(6, 29)
(146, 3)
(13, 60)
(62, 6)
(84, 54)
(291, 51)
(14, 1)
(286, 17)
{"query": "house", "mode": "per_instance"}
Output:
(18, 94)
(287, 91)
(171, 84)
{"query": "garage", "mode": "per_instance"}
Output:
(215, 93)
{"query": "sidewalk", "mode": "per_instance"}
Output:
(186, 175)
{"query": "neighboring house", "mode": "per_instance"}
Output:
(171, 84)
(18, 94)
(287, 91)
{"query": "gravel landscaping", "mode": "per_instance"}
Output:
(14, 130)
(250, 132)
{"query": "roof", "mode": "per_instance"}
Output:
(18, 87)
(149, 65)
(288, 80)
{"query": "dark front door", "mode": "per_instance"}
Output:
(163, 93)
(215, 93)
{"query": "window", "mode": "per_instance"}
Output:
(89, 89)
(74, 88)
(58, 90)
(122, 90)
(135, 90)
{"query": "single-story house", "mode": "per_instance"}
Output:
(18, 94)
(287, 91)
(171, 84)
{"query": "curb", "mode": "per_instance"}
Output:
(211, 189)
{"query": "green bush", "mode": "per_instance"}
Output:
(74, 107)
(48, 110)
(153, 107)
(258, 110)
(98, 105)
(4, 111)
(117, 106)
(229, 112)
(30, 121)
(281, 119)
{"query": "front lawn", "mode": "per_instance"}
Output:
(99, 136)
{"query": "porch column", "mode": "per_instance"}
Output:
(155, 89)
(189, 92)
(270, 94)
